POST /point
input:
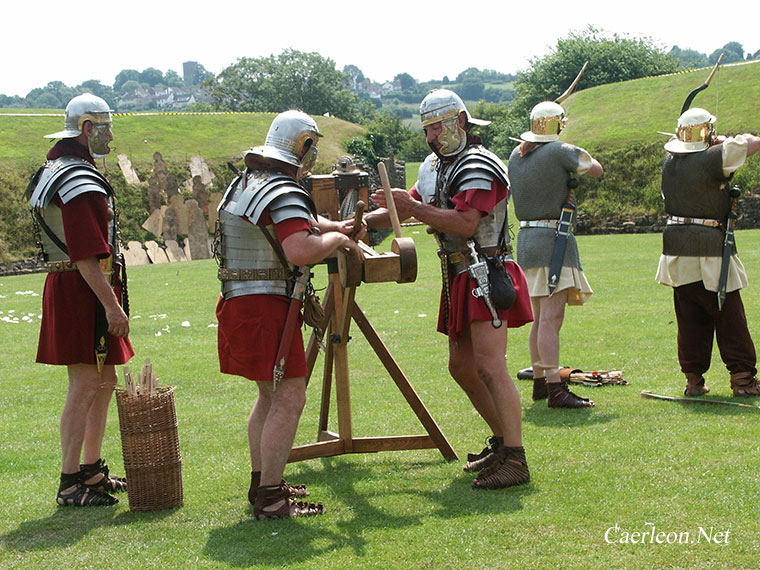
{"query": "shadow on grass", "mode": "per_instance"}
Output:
(538, 414)
(398, 498)
(68, 525)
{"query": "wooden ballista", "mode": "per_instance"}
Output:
(345, 274)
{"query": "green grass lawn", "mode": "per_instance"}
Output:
(628, 465)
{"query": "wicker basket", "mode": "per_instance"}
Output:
(150, 444)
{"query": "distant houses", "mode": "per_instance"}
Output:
(162, 98)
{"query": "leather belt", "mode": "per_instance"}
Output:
(106, 264)
(60, 266)
(680, 220)
(269, 274)
(539, 224)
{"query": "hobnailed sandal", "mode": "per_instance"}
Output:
(745, 386)
(268, 497)
(72, 492)
(106, 484)
(540, 391)
(510, 470)
(695, 385)
(560, 396)
(479, 461)
(294, 491)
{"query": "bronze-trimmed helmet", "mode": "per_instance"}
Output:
(85, 107)
(693, 133)
(444, 106)
(292, 139)
(547, 119)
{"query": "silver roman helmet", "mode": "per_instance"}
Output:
(88, 107)
(292, 139)
(547, 119)
(695, 129)
(444, 106)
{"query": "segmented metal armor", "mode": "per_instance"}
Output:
(66, 177)
(248, 263)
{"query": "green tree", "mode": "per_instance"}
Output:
(58, 95)
(48, 101)
(406, 81)
(151, 76)
(290, 80)
(97, 88)
(689, 58)
(172, 79)
(471, 89)
(122, 77)
(732, 52)
(130, 86)
(610, 59)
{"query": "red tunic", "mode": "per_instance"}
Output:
(463, 307)
(250, 327)
(67, 333)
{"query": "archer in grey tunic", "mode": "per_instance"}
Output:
(538, 174)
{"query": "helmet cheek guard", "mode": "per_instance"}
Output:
(444, 106)
(452, 137)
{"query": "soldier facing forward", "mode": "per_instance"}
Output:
(462, 194)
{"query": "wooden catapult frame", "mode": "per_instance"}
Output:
(345, 274)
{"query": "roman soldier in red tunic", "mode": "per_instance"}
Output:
(461, 193)
(84, 326)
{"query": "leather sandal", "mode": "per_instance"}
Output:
(560, 396)
(294, 491)
(72, 492)
(107, 484)
(511, 469)
(479, 461)
(695, 385)
(744, 385)
(540, 391)
(272, 502)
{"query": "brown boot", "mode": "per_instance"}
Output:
(294, 491)
(273, 503)
(744, 384)
(511, 469)
(478, 461)
(540, 391)
(560, 396)
(695, 385)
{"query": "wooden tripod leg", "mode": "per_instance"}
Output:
(339, 328)
(403, 384)
(324, 410)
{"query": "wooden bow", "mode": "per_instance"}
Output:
(693, 93)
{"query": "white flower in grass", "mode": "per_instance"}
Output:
(422, 315)
(185, 323)
(213, 325)
(158, 333)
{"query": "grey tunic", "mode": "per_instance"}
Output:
(539, 189)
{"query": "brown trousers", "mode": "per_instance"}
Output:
(699, 320)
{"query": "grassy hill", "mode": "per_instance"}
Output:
(630, 113)
(176, 136)
(618, 124)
